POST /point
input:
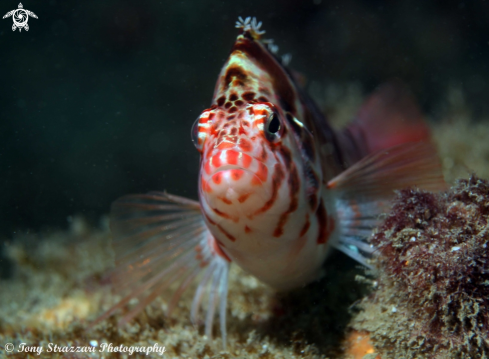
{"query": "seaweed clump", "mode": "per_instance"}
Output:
(432, 292)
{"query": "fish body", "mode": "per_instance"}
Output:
(278, 187)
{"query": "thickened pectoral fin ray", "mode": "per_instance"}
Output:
(161, 240)
(364, 190)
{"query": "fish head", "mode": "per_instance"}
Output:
(241, 168)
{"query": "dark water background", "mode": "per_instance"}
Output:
(98, 97)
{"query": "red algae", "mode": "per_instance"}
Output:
(432, 293)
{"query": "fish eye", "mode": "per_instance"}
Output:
(273, 124)
(196, 138)
(273, 127)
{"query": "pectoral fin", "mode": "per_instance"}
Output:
(161, 239)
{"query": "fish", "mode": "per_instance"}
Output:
(279, 188)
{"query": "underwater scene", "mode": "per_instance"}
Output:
(257, 179)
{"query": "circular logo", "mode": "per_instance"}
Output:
(20, 17)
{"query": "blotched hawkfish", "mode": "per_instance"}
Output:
(278, 187)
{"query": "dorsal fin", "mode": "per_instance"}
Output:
(389, 117)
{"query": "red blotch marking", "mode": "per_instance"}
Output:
(247, 229)
(207, 167)
(246, 160)
(221, 100)
(248, 96)
(260, 175)
(225, 200)
(278, 231)
(243, 197)
(263, 153)
(294, 187)
(209, 219)
(258, 122)
(322, 219)
(217, 177)
(261, 111)
(225, 215)
(232, 157)
(236, 174)
(216, 246)
(306, 226)
(245, 145)
(277, 177)
(216, 161)
(326, 224)
(227, 234)
(205, 186)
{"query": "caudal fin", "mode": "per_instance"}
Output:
(389, 117)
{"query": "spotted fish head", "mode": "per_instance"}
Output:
(240, 168)
(252, 189)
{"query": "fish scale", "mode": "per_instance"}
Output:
(278, 187)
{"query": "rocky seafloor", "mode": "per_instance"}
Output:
(55, 290)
